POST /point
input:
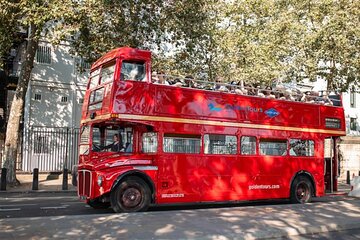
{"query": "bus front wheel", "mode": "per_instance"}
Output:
(301, 190)
(131, 195)
(97, 204)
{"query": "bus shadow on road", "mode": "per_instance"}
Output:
(174, 207)
(199, 206)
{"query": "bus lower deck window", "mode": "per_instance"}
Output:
(273, 147)
(181, 143)
(248, 145)
(300, 147)
(220, 144)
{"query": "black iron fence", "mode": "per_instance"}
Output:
(50, 149)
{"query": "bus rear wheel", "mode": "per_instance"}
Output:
(301, 190)
(131, 195)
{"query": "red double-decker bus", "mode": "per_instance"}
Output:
(144, 143)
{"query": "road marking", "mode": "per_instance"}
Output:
(41, 198)
(10, 209)
(58, 207)
(17, 205)
(75, 202)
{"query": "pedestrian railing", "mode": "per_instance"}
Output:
(49, 149)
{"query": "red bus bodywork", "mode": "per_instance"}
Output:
(194, 178)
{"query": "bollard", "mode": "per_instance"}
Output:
(35, 184)
(348, 177)
(3, 179)
(65, 179)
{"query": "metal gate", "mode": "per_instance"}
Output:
(50, 149)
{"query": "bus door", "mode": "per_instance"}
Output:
(331, 164)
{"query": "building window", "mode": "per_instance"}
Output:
(353, 124)
(248, 145)
(37, 97)
(43, 55)
(301, 147)
(273, 147)
(81, 65)
(64, 99)
(179, 143)
(220, 144)
(353, 98)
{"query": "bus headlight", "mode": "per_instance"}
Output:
(100, 181)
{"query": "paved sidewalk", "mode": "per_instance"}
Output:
(51, 182)
(281, 221)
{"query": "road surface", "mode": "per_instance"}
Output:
(64, 217)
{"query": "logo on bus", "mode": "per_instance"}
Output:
(272, 112)
(217, 108)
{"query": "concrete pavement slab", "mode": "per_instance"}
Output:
(254, 222)
(48, 182)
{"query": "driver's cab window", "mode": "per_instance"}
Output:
(133, 71)
(112, 138)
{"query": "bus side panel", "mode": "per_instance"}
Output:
(133, 98)
(272, 177)
(216, 179)
(178, 178)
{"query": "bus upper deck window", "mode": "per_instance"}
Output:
(107, 73)
(133, 71)
(94, 78)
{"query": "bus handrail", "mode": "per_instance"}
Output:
(280, 92)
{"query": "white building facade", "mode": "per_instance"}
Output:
(56, 89)
(52, 110)
(350, 144)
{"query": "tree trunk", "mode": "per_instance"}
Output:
(16, 110)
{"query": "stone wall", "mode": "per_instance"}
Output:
(350, 151)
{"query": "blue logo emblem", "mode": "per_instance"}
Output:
(271, 113)
(212, 107)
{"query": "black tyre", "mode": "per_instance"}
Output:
(131, 195)
(97, 204)
(301, 190)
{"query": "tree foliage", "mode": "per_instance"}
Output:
(8, 22)
(298, 40)
(37, 17)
